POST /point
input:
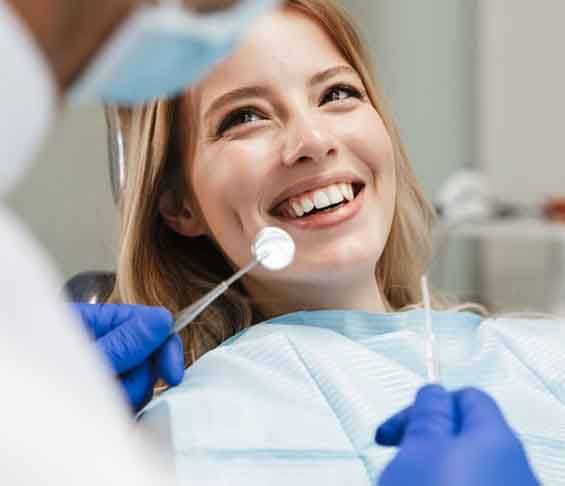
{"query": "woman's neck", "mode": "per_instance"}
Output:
(275, 300)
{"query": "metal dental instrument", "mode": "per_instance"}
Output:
(432, 353)
(273, 249)
(116, 153)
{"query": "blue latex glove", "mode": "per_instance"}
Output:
(453, 438)
(135, 340)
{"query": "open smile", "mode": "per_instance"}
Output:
(323, 207)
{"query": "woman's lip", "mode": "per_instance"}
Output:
(327, 220)
(314, 183)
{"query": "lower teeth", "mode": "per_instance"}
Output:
(325, 210)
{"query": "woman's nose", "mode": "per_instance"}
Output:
(307, 141)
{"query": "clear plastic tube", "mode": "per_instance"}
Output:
(432, 352)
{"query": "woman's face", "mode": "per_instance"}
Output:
(287, 137)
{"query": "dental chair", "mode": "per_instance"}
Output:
(95, 287)
(90, 287)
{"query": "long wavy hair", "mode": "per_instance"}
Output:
(157, 266)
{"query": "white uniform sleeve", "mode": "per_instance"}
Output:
(27, 97)
(63, 420)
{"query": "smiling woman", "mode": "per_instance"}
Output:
(301, 142)
(290, 131)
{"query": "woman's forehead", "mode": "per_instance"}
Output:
(284, 46)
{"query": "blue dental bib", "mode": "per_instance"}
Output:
(297, 399)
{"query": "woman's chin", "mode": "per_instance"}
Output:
(340, 268)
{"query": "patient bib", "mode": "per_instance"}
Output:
(297, 400)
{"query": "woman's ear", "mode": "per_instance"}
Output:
(181, 218)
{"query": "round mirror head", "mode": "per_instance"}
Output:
(274, 248)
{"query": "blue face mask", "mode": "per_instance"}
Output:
(161, 50)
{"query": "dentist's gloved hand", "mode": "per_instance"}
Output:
(135, 340)
(453, 438)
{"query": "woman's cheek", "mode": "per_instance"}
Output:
(369, 139)
(250, 159)
(237, 165)
(221, 166)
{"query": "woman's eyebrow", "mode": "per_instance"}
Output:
(331, 73)
(236, 94)
(263, 92)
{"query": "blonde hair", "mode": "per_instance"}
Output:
(157, 266)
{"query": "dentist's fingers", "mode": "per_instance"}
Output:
(135, 339)
(477, 409)
(433, 416)
(138, 385)
(169, 361)
(391, 432)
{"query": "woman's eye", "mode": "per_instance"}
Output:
(239, 117)
(339, 93)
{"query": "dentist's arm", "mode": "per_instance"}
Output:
(136, 342)
(453, 438)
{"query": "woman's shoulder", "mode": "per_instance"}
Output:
(272, 351)
(272, 330)
(529, 326)
(534, 334)
(245, 391)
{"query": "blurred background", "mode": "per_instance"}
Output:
(474, 84)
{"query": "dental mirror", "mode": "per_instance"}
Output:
(273, 248)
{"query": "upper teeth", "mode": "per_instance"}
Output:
(320, 198)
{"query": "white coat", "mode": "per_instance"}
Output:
(63, 420)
